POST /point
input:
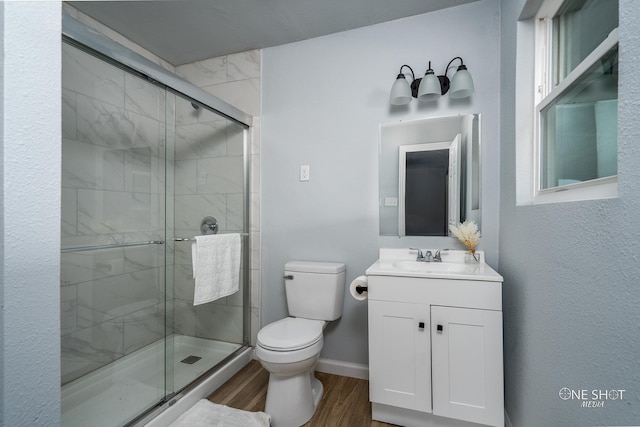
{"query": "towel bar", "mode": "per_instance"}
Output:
(193, 239)
(113, 246)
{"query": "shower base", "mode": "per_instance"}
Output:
(114, 394)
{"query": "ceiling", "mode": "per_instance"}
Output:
(191, 30)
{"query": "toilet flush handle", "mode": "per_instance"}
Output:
(288, 277)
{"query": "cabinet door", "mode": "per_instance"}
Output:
(399, 355)
(467, 364)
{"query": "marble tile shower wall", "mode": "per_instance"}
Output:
(208, 176)
(208, 182)
(112, 300)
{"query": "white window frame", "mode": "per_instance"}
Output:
(546, 93)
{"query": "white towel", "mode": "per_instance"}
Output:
(216, 266)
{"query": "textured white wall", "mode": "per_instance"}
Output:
(30, 298)
(571, 270)
(322, 103)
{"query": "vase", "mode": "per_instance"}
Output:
(471, 258)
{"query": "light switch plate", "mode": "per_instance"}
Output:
(304, 173)
(391, 201)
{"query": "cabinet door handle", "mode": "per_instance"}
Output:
(439, 328)
(421, 325)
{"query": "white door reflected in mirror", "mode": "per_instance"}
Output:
(429, 187)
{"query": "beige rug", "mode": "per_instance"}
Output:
(208, 414)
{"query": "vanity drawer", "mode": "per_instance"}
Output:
(446, 292)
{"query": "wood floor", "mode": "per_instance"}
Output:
(345, 402)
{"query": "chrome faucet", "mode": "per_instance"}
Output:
(420, 256)
(428, 257)
(438, 256)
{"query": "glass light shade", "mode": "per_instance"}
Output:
(400, 91)
(429, 88)
(461, 84)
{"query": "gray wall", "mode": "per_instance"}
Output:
(571, 298)
(30, 228)
(323, 101)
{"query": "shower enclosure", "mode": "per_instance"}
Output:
(145, 158)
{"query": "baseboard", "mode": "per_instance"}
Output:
(345, 369)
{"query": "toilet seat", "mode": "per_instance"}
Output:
(290, 334)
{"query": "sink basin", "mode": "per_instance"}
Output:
(431, 267)
(402, 263)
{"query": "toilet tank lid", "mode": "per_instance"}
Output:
(315, 267)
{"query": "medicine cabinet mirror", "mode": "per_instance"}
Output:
(429, 175)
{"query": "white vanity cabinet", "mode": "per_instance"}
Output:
(467, 377)
(435, 350)
(400, 355)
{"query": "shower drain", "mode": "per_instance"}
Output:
(190, 360)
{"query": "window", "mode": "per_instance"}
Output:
(576, 98)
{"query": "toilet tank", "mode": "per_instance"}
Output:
(315, 290)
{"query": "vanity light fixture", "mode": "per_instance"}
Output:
(431, 87)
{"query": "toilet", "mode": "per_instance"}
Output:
(289, 348)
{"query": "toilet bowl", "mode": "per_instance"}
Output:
(289, 348)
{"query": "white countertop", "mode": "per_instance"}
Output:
(402, 263)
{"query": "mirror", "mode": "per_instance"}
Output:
(429, 175)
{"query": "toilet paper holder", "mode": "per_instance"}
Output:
(360, 289)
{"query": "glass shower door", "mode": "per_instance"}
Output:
(209, 181)
(113, 233)
(141, 167)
